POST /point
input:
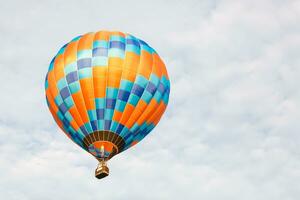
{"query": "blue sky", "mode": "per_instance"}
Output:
(231, 130)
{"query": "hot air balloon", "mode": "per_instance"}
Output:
(107, 90)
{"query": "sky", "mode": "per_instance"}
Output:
(231, 130)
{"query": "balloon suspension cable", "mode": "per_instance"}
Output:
(102, 170)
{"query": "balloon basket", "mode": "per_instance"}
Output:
(102, 170)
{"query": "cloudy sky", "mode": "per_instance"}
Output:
(231, 130)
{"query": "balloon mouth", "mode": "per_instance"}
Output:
(103, 149)
(112, 143)
(102, 170)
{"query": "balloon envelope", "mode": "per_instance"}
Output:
(107, 91)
